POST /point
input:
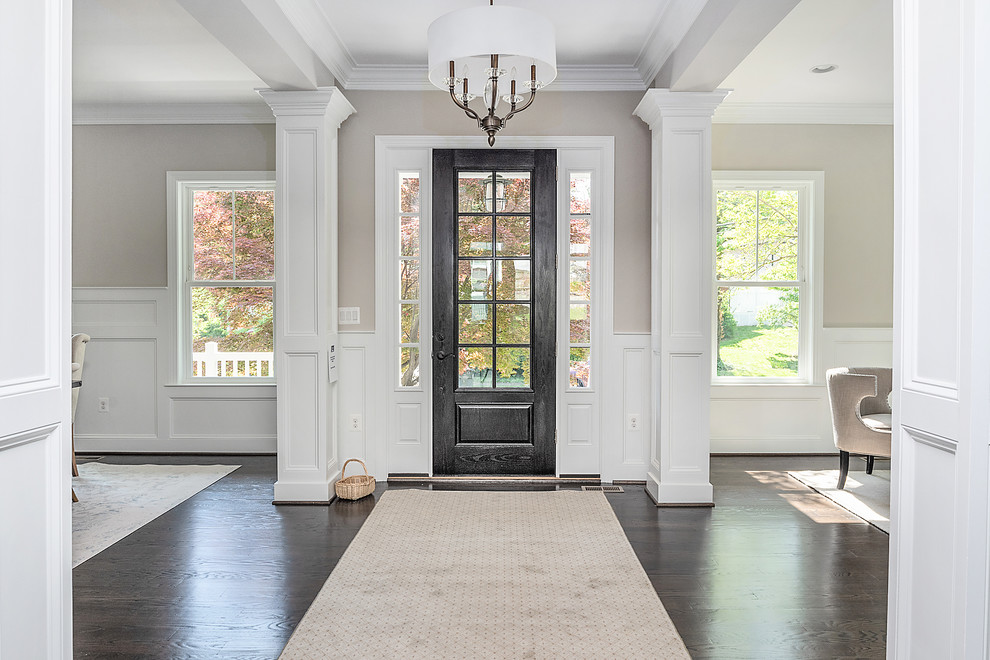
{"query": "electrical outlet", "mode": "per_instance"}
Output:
(103, 404)
(632, 422)
(356, 423)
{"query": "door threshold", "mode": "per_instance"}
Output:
(475, 479)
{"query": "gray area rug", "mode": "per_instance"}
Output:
(488, 575)
(867, 496)
(115, 500)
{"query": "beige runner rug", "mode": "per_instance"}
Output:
(488, 574)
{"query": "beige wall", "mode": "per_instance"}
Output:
(118, 192)
(858, 162)
(553, 113)
(119, 224)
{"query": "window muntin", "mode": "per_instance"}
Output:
(579, 268)
(762, 294)
(410, 292)
(228, 288)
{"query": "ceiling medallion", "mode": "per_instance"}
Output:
(487, 45)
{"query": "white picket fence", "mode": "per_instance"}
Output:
(212, 363)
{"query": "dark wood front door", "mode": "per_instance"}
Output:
(494, 311)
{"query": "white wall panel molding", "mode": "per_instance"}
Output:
(681, 311)
(127, 362)
(940, 501)
(306, 124)
(36, 268)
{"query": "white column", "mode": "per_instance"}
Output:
(939, 582)
(681, 275)
(306, 126)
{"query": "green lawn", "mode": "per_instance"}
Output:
(756, 351)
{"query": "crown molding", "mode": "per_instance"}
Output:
(661, 103)
(569, 79)
(327, 101)
(804, 113)
(89, 114)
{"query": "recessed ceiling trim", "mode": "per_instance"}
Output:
(668, 31)
(91, 114)
(804, 113)
(312, 23)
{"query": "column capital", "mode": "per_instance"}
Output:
(661, 103)
(327, 102)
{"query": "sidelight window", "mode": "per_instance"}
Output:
(410, 291)
(579, 269)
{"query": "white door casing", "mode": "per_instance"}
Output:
(400, 440)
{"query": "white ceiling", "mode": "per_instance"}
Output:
(155, 52)
(854, 35)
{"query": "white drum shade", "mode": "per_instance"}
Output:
(471, 36)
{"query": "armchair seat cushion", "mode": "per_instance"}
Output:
(878, 422)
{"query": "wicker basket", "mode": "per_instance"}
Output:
(356, 487)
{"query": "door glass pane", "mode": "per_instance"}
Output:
(580, 236)
(580, 324)
(758, 331)
(580, 367)
(512, 236)
(474, 236)
(512, 324)
(581, 279)
(409, 236)
(254, 235)
(410, 324)
(474, 323)
(409, 367)
(213, 235)
(474, 279)
(232, 331)
(474, 367)
(471, 191)
(409, 279)
(516, 191)
(581, 192)
(512, 367)
(512, 279)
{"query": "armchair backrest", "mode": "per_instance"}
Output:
(79, 342)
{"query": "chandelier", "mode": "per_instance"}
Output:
(483, 48)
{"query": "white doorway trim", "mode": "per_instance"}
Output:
(398, 434)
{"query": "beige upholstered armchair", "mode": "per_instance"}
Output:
(79, 342)
(860, 414)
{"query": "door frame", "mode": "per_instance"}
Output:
(400, 441)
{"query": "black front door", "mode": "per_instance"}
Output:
(494, 311)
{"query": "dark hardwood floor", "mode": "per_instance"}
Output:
(773, 571)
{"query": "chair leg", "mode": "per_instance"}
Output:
(75, 468)
(74, 498)
(843, 468)
(869, 465)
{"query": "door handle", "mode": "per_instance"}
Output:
(440, 355)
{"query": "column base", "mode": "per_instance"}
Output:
(316, 492)
(700, 494)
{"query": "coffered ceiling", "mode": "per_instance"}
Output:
(219, 51)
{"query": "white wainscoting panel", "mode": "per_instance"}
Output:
(793, 418)
(127, 361)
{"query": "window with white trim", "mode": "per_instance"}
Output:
(225, 266)
(766, 305)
